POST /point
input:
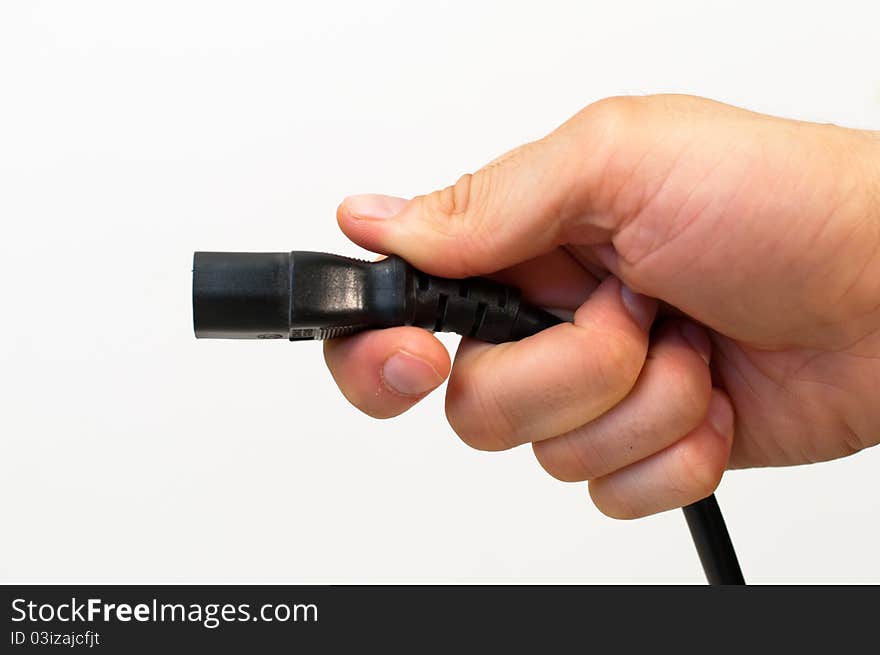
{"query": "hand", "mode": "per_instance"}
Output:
(759, 236)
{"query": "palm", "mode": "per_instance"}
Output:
(793, 406)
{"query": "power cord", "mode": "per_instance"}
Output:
(303, 296)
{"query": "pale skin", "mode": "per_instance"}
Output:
(723, 271)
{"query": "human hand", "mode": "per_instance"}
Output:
(759, 236)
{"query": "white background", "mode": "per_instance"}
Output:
(132, 134)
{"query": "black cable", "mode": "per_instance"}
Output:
(303, 296)
(713, 543)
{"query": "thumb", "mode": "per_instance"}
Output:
(511, 210)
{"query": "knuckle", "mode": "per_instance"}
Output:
(553, 462)
(617, 362)
(460, 213)
(570, 458)
(702, 469)
(613, 505)
(591, 464)
(465, 203)
(612, 130)
(611, 118)
(477, 416)
(451, 201)
(688, 389)
(462, 195)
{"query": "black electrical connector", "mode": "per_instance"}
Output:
(310, 295)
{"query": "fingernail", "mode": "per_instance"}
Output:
(641, 308)
(408, 375)
(372, 205)
(698, 338)
(721, 415)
